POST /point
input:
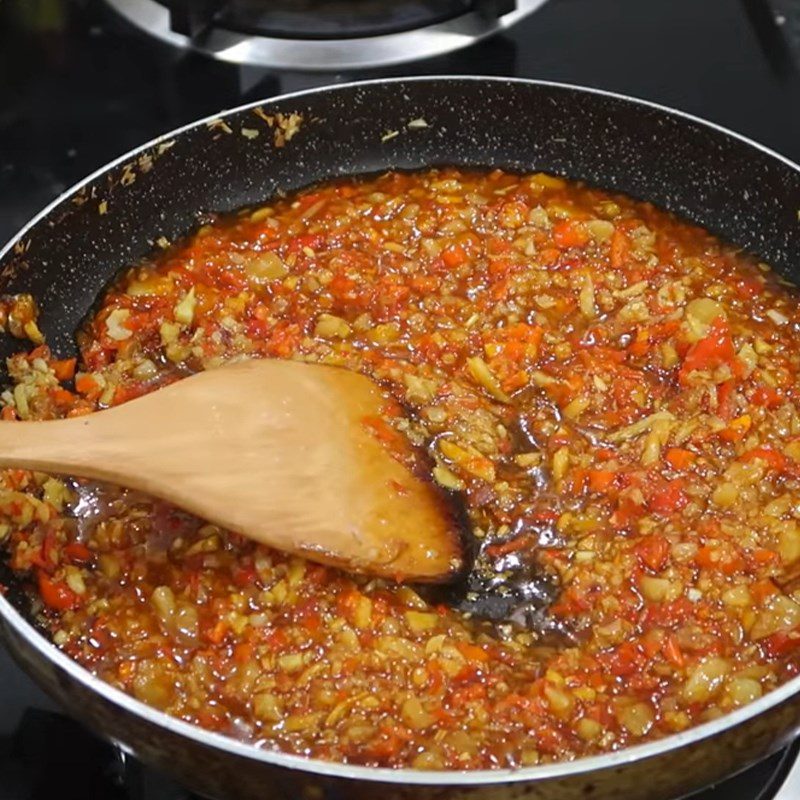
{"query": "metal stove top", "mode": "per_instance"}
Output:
(79, 85)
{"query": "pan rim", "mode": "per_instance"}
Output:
(563, 769)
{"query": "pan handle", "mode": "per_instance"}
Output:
(790, 788)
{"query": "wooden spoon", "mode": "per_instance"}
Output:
(282, 452)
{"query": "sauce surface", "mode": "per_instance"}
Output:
(615, 393)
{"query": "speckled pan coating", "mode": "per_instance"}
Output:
(737, 189)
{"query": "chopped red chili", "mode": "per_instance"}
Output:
(613, 391)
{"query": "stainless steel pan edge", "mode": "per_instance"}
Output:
(217, 767)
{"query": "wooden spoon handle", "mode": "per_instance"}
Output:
(144, 444)
(63, 445)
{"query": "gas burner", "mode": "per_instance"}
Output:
(323, 34)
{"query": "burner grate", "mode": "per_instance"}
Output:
(336, 19)
(320, 35)
(323, 19)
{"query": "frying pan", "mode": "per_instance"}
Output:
(65, 256)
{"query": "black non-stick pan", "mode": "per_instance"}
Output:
(739, 190)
